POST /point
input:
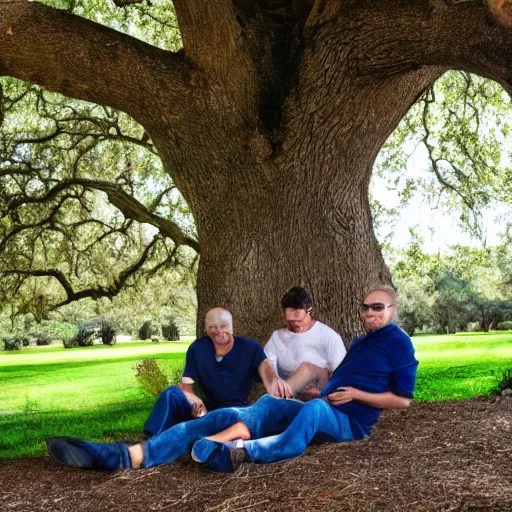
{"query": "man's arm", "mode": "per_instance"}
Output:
(387, 400)
(198, 407)
(275, 386)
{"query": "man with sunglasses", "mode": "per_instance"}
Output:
(378, 372)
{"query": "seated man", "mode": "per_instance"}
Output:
(223, 365)
(378, 373)
(306, 352)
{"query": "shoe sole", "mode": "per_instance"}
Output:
(65, 451)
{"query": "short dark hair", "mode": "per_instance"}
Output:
(297, 298)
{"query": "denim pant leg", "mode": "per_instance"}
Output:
(316, 421)
(267, 416)
(177, 441)
(171, 408)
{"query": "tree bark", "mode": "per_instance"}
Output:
(269, 122)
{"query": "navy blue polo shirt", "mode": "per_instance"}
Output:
(381, 361)
(227, 382)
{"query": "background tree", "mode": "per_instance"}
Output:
(451, 290)
(268, 120)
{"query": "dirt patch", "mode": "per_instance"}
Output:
(450, 456)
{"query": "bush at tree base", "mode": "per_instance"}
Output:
(150, 376)
(505, 326)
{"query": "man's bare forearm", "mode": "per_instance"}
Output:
(188, 391)
(267, 374)
(387, 400)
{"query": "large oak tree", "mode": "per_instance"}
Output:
(269, 121)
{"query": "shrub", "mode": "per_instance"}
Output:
(25, 340)
(149, 329)
(503, 382)
(170, 330)
(12, 343)
(150, 376)
(108, 332)
(42, 339)
(155, 338)
(505, 326)
(70, 342)
(91, 330)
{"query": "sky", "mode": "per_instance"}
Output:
(438, 228)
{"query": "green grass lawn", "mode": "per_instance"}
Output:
(92, 392)
(461, 365)
(86, 392)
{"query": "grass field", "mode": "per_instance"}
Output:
(92, 392)
(460, 366)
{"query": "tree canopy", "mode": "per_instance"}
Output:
(267, 117)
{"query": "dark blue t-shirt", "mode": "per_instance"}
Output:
(228, 382)
(381, 361)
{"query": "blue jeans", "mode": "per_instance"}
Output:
(170, 409)
(299, 422)
(315, 422)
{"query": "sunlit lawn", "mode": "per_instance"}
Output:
(88, 392)
(92, 392)
(461, 365)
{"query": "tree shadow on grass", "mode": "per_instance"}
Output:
(24, 434)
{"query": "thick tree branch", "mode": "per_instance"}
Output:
(87, 61)
(209, 31)
(93, 292)
(130, 207)
(474, 36)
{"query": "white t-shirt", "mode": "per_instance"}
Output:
(320, 346)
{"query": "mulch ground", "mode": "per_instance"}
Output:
(450, 456)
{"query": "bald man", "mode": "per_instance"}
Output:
(224, 366)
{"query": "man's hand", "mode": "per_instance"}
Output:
(347, 394)
(275, 386)
(198, 409)
(308, 394)
(386, 400)
(281, 389)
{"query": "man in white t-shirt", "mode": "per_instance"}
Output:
(306, 352)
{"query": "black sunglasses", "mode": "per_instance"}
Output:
(376, 306)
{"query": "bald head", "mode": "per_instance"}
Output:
(218, 317)
(218, 324)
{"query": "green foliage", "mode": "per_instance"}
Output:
(170, 330)
(152, 379)
(504, 382)
(505, 326)
(460, 128)
(12, 343)
(149, 329)
(449, 291)
(77, 232)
